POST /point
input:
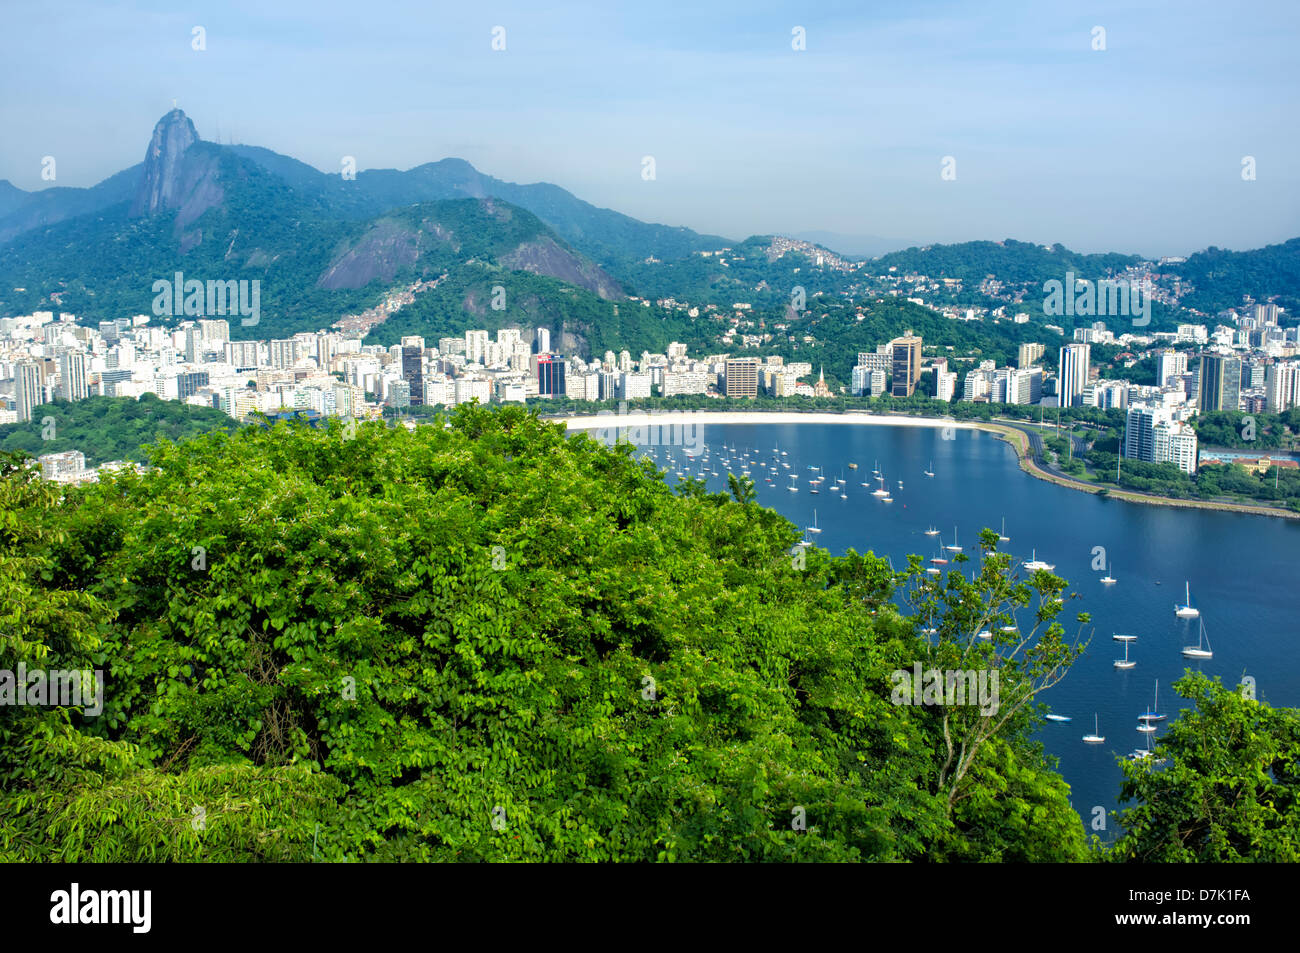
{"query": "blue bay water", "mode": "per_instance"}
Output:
(1243, 569)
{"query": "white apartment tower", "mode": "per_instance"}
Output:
(1075, 359)
(72, 375)
(28, 390)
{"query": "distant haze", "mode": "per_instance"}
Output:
(1136, 148)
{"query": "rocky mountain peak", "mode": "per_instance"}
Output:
(161, 185)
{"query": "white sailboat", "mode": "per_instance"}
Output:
(1002, 536)
(814, 528)
(1108, 580)
(1124, 638)
(931, 532)
(939, 559)
(1058, 717)
(1125, 662)
(1202, 647)
(1096, 737)
(930, 472)
(1141, 754)
(1186, 610)
(1033, 564)
(1148, 718)
(954, 548)
(880, 490)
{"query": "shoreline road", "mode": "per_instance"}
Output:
(1033, 461)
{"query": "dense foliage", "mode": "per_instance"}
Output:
(109, 428)
(1221, 278)
(491, 641)
(1223, 785)
(1241, 431)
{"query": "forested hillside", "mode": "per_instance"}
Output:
(1220, 278)
(110, 428)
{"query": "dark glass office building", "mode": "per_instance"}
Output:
(550, 376)
(413, 373)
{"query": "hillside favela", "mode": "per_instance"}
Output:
(383, 483)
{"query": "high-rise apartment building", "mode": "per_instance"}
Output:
(1075, 361)
(1024, 385)
(327, 348)
(413, 373)
(188, 384)
(1151, 434)
(1219, 385)
(1139, 431)
(1029, 354)
(905, 370)
(29, 390)
(217, 330)
(1267, 314)
(742, 377)
(945, 385)
(72, 376)
(550, 375)
(1175, 442)
(1281, 386)
(476, 343)
(1173, 365)
(241, 354)
(631, 386)
(283, 353)
(194, 346)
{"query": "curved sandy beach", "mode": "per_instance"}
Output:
(692, 418)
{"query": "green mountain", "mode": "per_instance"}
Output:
(207, 212)
(323, 246)
(609, 237)
(1220, 278)
(1011, 261)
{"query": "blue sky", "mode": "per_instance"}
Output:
(1137, 148)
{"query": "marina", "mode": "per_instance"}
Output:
(1234, 570)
